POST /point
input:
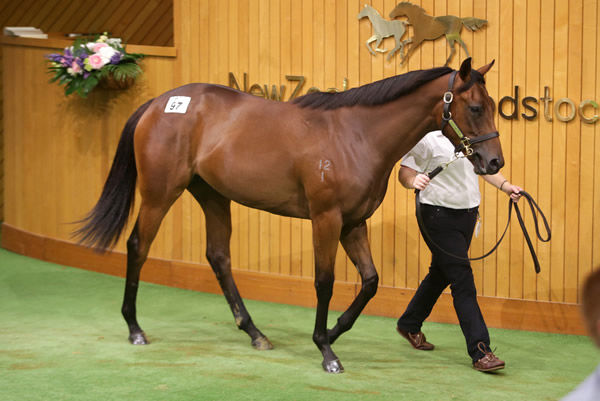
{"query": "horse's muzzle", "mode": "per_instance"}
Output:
(483, 167)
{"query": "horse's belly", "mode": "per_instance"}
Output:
(261, 182)
(265, 195)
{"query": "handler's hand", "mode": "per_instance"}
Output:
(513, 191)
(421, 181)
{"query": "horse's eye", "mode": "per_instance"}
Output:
(476, 109)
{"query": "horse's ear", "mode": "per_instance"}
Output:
(486, 68)
(465, 69)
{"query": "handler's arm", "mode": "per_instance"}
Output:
(411, 179)
(504, 185)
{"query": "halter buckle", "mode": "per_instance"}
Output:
(448, 97)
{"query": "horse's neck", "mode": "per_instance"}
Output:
(374, 17)
(415, 16)
(394, 128)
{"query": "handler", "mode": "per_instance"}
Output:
(450, 205)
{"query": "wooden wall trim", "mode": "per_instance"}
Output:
(55, 43)
(554, 317)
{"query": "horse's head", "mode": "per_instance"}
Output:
(365, 11)
(406, 9)
(467, 118)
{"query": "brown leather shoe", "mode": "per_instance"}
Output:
(417, 340)
(489, 362)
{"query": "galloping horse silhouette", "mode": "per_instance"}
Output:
(384, 29)
(427, 27)
(221, 145)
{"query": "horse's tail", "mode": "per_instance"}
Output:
(473, 23)
(103, 225)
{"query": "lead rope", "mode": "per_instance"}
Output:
(535, 209)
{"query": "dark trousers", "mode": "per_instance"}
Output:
(452, 230)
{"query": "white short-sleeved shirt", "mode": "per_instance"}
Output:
(456, 187)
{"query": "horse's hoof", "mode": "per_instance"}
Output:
(334, 366)
(262, 344)
(138, 338)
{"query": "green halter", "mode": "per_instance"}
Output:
(465, 142)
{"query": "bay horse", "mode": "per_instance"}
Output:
(384, 29)
(427, 27)
(325, 157)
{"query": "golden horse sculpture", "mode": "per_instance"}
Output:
(427, 27)
(384, 29)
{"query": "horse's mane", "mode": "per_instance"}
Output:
(372, 94)
(410, 5)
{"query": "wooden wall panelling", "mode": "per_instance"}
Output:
(559, 87)
(149, 22)
(531, 133)
(586, 168)
(544, 194)
(572, 162)
(96, 19)
(517, 159)
(595, 243)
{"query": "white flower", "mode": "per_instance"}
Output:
(106, 53)
(114, 42)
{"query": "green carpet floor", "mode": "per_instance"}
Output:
(62, 338)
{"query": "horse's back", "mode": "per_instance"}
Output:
(243, 146)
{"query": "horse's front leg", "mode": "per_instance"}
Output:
(368, 43)
(378, 43)
(355, 242)
(326, 233)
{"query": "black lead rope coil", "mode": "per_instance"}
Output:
(535, 209)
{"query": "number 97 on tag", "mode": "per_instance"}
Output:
(177, 104)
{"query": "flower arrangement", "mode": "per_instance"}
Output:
(84, 65)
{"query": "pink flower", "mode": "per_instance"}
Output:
(76, 68)
(96, 61)
(98, 46)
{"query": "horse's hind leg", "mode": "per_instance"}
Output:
(451, 40)
(218, 233)
(356, 244)
(138, 245)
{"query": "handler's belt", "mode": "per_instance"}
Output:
(535, 209)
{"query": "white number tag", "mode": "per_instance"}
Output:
(177, 104)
